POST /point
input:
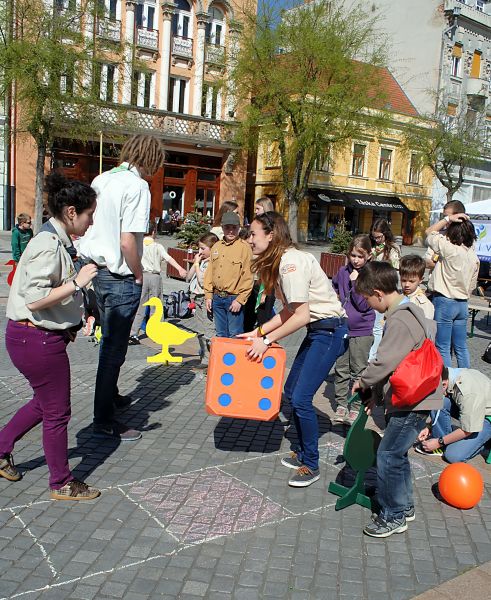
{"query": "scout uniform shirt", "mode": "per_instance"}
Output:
(229, 270)
(44, 265)
(419, 298)
(471, 391)
(302, 280)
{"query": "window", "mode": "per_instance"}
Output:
(211, 103)
(415, 169)
(456, 66)
(139, 15)
(150, 17)
(143, 89)
(358, 163)
(181, 20)
(67, 80)
(215, 27)
(323, 162)
(480, 5)
(384, 166)
(178, 95)
(62, 5)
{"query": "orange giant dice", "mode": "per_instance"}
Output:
(242, 389)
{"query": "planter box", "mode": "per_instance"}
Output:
(179, 255)
(331, 263)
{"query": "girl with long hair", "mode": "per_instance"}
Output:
(308, 301)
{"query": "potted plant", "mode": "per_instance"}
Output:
(193, 227)
(332, 261)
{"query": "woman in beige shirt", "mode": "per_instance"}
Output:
(454, 278)
(44, 311)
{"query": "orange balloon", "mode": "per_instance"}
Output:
(461, 485)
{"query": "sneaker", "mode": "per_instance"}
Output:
(134, 340)
(380, 528)
(410, 514)
(7, 468)
(420, 450)
(75, 490)
(88, 328)
(352, 416)
(291, 461)
(283, 419)
(340, 415)
(116, 431)
(304, 477)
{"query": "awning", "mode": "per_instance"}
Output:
(355, 200)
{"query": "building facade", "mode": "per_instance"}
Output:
(443, 49)
(176, 57)
(370, 177)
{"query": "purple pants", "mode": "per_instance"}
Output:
(42, 358)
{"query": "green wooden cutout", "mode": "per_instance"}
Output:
(360, 453)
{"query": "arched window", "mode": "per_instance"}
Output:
(181, 19)
(215, 27)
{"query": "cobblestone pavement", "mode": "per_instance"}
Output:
(200, 506)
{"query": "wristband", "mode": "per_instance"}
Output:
(260, 331)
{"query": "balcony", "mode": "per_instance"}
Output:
(215, 55)
(109, 30)
(171, 126)
(471, 10)
(477, 87)
(182, 47)
(147, 39)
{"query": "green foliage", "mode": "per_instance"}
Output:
(312, 76)
(195, 225)
(448, 145)
(341, 239)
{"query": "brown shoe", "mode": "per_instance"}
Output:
(75, 490)
(7, 468)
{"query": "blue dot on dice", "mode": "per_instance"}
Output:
(267, 383)
(227, 379)
(229, 359)
(224, 399)
(269, 362)
(265, 404)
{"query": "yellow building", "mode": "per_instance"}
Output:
(370, 177)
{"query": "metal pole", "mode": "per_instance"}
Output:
(100, 152)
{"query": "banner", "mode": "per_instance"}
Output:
(483, 243)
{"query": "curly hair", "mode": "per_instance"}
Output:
(145, 151)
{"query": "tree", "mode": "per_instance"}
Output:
(312, 74)
(47, 62)
(448, 144)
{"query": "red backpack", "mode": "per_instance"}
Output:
(419, 373)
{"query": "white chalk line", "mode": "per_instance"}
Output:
(38, 544)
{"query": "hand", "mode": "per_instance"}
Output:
(182, 272)
(139, 281)
(86, 274)
(208, 302)
(257, 349)
(458, 218)
(370, 405)
(356, 387)
(249, 334)
(423, 435)
(235, 307)
(431, 444)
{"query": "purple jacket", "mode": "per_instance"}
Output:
(360, 316)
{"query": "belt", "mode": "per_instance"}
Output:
(329, 324)
(222, 294)
(28, 323)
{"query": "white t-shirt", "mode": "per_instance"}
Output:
(123, 206)
(153, 255)
(302, 280)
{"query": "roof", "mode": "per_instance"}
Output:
(396, 99)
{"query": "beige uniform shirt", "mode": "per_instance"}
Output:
(153, 255)
(419, 298)
(471, 391)
(302, 280)
(229, 270)
(45, 264)
(455, 273)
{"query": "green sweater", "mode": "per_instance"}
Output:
(20, 239)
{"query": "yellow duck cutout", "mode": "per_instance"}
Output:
(164, 333)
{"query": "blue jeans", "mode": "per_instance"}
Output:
(227, 324)
(465, 449)
(451, 319)
(118, 299)
(315, 358)
(394, 485)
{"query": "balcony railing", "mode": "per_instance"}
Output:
(182, 46)
(215, 54)
(158, 122)
(109, 30)
(147, 38)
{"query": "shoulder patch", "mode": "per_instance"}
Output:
(288, 269)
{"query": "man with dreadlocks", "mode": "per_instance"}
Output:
(115, 244)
